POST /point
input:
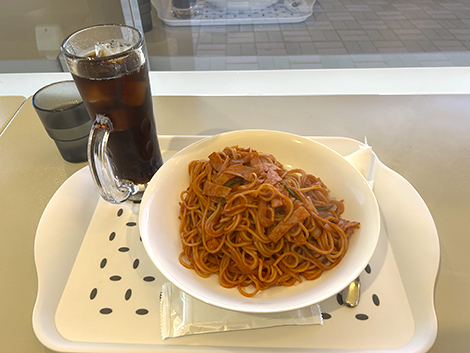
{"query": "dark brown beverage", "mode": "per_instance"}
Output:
(126, 100)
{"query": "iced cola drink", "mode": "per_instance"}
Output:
(109, 68)
(133, 145)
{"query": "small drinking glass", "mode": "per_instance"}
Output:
(65, 119)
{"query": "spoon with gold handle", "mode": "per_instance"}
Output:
(352, 293)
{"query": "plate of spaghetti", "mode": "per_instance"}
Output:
(259, 221)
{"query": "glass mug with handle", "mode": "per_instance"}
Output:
(109, 67)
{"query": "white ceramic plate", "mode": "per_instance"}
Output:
(159, 223)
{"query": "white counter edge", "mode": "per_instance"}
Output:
(407, 81)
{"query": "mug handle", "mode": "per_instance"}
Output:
(110, 187)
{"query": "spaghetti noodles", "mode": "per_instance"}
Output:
(252, 222)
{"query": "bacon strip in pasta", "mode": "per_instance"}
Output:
(283, 226)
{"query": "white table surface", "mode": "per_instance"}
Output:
(451, 80)
(417, 121)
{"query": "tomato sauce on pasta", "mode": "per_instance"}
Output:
(256, 224)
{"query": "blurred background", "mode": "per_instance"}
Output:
(249, 34)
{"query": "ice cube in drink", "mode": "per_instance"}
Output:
(109, 48)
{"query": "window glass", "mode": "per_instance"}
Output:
(248, 34)
(31, 31)
(304, 34)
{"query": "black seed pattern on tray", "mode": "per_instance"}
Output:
(325, 316)
(368, 269)
(128, 294)
(339, 299)
(376, 299)
(362, 317)
(106, 311)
